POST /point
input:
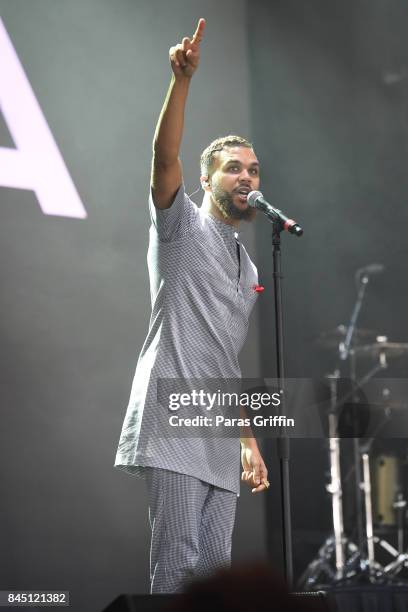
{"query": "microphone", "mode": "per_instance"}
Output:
(256, 200)
(370, 269)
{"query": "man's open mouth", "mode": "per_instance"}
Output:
(242, 193)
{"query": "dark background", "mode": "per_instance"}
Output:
(321, 89)
(329, 116)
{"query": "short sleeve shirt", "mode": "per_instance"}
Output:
(202, 293)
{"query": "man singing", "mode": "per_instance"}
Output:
(202, 292)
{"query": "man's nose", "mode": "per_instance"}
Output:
(245, 176)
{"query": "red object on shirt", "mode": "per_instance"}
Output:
(258, 288)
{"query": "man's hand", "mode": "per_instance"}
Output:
(254, 472)
(185, 56)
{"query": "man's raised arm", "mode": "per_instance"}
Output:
(166, 175)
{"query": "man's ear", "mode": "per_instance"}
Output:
(205, 182)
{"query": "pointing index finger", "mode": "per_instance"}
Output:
(198, 34)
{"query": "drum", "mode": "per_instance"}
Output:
(386, 482)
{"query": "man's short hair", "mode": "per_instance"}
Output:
(207, 156)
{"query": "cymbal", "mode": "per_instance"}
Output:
(332, 338)
(390, 349)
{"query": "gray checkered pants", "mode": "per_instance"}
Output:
(191, 523)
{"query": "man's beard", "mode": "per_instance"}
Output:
(224, 201)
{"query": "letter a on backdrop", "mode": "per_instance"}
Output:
(36, 163)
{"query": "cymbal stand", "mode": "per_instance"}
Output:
(400, 506)
(357, 462)
(400, 559)
(361, 478)
(366, 487)
(321, 571)
(334, 488)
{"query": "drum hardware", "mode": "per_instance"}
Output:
(366, 568)
(339, 560)
(366, 487)
(336, 550)
(382, 349)
(321, 571)
(334, 337)
(348, 558)
(386, 489)
(400, 505)
(334, 488)
(400, 558)
(345, 347)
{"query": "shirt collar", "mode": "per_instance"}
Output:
(226, 228)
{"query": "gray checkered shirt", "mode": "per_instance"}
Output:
(202, 294)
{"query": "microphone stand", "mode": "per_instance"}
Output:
(282, 440)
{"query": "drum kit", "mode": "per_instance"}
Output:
(376, 551)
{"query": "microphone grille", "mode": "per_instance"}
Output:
(252, 198)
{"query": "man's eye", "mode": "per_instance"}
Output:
(233, 169)
(254, 171)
